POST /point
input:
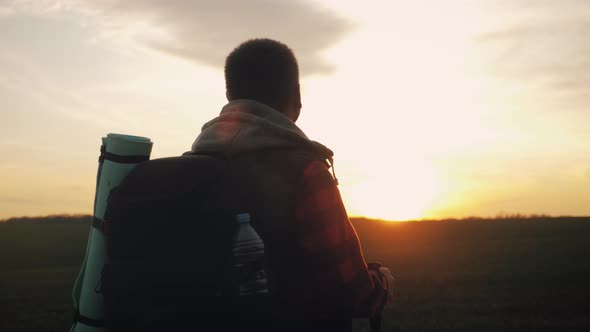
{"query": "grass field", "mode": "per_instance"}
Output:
(472, 275)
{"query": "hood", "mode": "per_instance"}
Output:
(249, 126)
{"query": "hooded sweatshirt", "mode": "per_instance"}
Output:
(246, 126)
(314, 259)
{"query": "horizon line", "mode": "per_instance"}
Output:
(502, 216)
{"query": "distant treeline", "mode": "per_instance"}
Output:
(84, 218)
(499, 217)
(52, 219)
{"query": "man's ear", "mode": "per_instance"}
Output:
(296, 104)
(298, 95)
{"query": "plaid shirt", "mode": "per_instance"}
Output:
(336, 269)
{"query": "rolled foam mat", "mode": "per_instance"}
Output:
(119, 154)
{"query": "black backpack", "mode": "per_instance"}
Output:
(171, 229)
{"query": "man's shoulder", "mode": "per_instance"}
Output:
(301, 157)
(295, 161)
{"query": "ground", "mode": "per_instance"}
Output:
(467, 275)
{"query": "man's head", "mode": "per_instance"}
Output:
(264, 70)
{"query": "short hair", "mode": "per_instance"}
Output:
(264, 70)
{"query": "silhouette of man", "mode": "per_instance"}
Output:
(316, 267)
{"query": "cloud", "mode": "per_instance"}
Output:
(5, 11)
(545, 43)
(205, 31)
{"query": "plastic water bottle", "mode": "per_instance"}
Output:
(248, 259)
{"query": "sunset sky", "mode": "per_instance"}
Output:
(434, 108)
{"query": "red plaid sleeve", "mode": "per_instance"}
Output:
(335, 267)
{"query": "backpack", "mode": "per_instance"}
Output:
(171, 229)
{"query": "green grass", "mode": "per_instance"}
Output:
(506, 275)
(38, 266)
(480, 275)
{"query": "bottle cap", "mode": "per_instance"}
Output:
(243, 218)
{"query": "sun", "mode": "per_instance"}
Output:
(406, 191)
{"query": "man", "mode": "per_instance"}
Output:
(316, 267)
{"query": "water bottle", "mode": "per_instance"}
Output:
(248, 259)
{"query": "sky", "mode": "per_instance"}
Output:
(434, 108)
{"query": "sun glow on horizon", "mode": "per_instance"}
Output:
(414, 99)
(404, 191)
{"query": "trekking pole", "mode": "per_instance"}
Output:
(375, 321)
